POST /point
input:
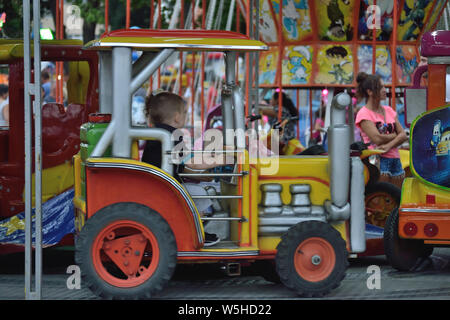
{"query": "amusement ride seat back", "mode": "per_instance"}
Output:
(421, 221)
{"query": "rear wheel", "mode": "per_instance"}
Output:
(402, 254)
(311, 258)
(126, 251)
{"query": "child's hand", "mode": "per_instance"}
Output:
(384, 147)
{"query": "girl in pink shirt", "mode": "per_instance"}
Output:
(380, 127)
(319, 125)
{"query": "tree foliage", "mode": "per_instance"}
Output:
(14, 13)
(93, 13)
(13, 28)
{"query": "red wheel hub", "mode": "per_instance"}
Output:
(125, 254)
(378, 206)
(314, 259)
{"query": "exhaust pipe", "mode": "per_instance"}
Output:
(339, 163)
(357, 219)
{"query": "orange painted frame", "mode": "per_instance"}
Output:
(421, 219)
(314, 42)
(125, 185)
(436, 85)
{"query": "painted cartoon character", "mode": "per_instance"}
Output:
(365, 58)
(292, 19)
(443, 150)
(407, 66)
(436, 137)
(383, 65)
(266, 24)
(416, 15)
(385, 19)
(336, 16)
(268, 69)
(340, 66)
(299, 65)
(291, 16)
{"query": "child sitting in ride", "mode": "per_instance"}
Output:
(166, 110)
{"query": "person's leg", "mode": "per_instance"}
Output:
(385, 172)
(397, 172)
(203, 207)
(196, 190)
(391, 171)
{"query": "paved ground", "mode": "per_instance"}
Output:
(208, 282)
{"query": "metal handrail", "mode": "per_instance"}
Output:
(224, 219)
(212, 174)
(205, 151)
(32, 89)
(216, 197)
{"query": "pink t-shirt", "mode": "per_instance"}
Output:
(384, 126)
(316, 133)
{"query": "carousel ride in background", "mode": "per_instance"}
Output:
(313, 45)
(320, 46)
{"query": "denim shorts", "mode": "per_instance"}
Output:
(391, 167)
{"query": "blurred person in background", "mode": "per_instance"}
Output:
(4, 105)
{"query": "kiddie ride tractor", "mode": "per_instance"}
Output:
(422, 222)
(302, 215)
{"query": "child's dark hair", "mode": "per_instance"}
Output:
(161, 107)
(368, 82)
(3, 89)
(320, 112)
(336, 51)
(45, 75)
(287, 103)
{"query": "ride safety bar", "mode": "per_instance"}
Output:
(224, 219)
(212, 174)
(216, 197)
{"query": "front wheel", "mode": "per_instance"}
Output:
(126, 251)
(402, 254)
(311, 258)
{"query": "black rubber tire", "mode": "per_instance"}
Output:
(285, 258)
(267, 270)
(384, 187)
(402, 254)
(147, 218)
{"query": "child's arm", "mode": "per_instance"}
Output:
(191, 170)
(205, 161)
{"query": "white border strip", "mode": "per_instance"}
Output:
(98, 44)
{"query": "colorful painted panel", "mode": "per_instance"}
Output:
(297, 65)
(335, 65)
(382, 20)
(407, 62)
(383, 62)
(435, 14)
(296, 19)
(267, 26)
(431, 147)
(268, 62)
(335, 19)
(57, 221)
(413, 18)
